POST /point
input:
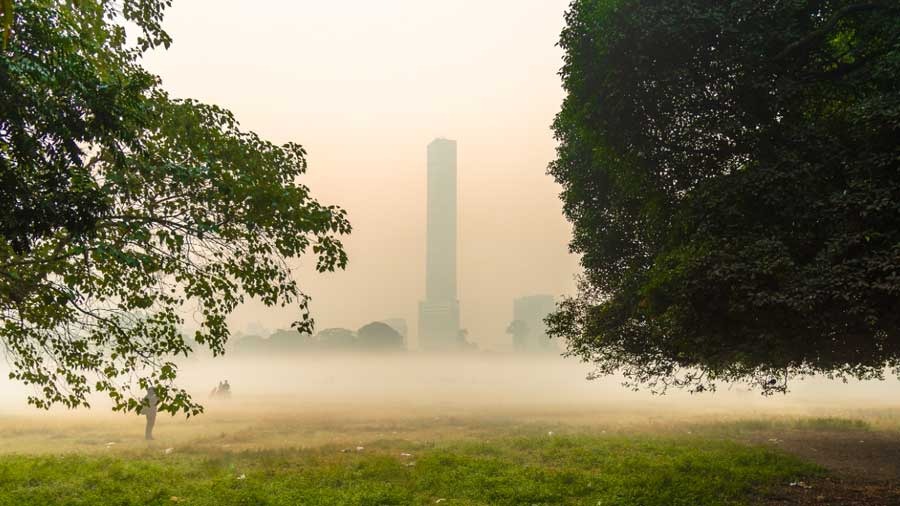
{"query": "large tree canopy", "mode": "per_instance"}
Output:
(732, 171)
(379, 336)
(123, 207)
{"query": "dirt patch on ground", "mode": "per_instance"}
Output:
(864, 467)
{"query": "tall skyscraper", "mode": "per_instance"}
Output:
(439, 312)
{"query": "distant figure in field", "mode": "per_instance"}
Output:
(149, 410)
(222, 391)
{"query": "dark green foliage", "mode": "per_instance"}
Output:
(290, 341)
(286, 341)
(732, 171)
(336, 339)
(374, 336)
(519, 331)
(122, 207)
(378, 336)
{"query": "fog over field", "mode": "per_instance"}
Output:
(325, 417)
(410, 384)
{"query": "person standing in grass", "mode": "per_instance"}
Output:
(149, 410)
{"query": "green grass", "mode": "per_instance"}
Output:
(294, 457)
(823, 424)
(519, 470)
(832, 423)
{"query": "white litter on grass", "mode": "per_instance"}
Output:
(360, 448)
(800, 484)
(773, 440)
(242, 476)
(439, 500)
(404, 454)
(168, 450)
(110, 444)
(550, 433)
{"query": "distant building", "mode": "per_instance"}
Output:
(529, 333)
(439, 312)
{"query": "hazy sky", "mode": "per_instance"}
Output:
(364, 86)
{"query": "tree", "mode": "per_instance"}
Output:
(731, 170)
(379, 336)
(519, 331)
(288, 341)
(336, 339)
(123, 207)
(464, 343)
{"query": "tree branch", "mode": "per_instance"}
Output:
(827, 27)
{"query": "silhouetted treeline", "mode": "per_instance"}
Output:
(375, 336)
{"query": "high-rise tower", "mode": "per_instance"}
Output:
(439, 312)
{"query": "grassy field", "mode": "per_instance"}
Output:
(235, 457)
(536, 469)
(475, 432)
